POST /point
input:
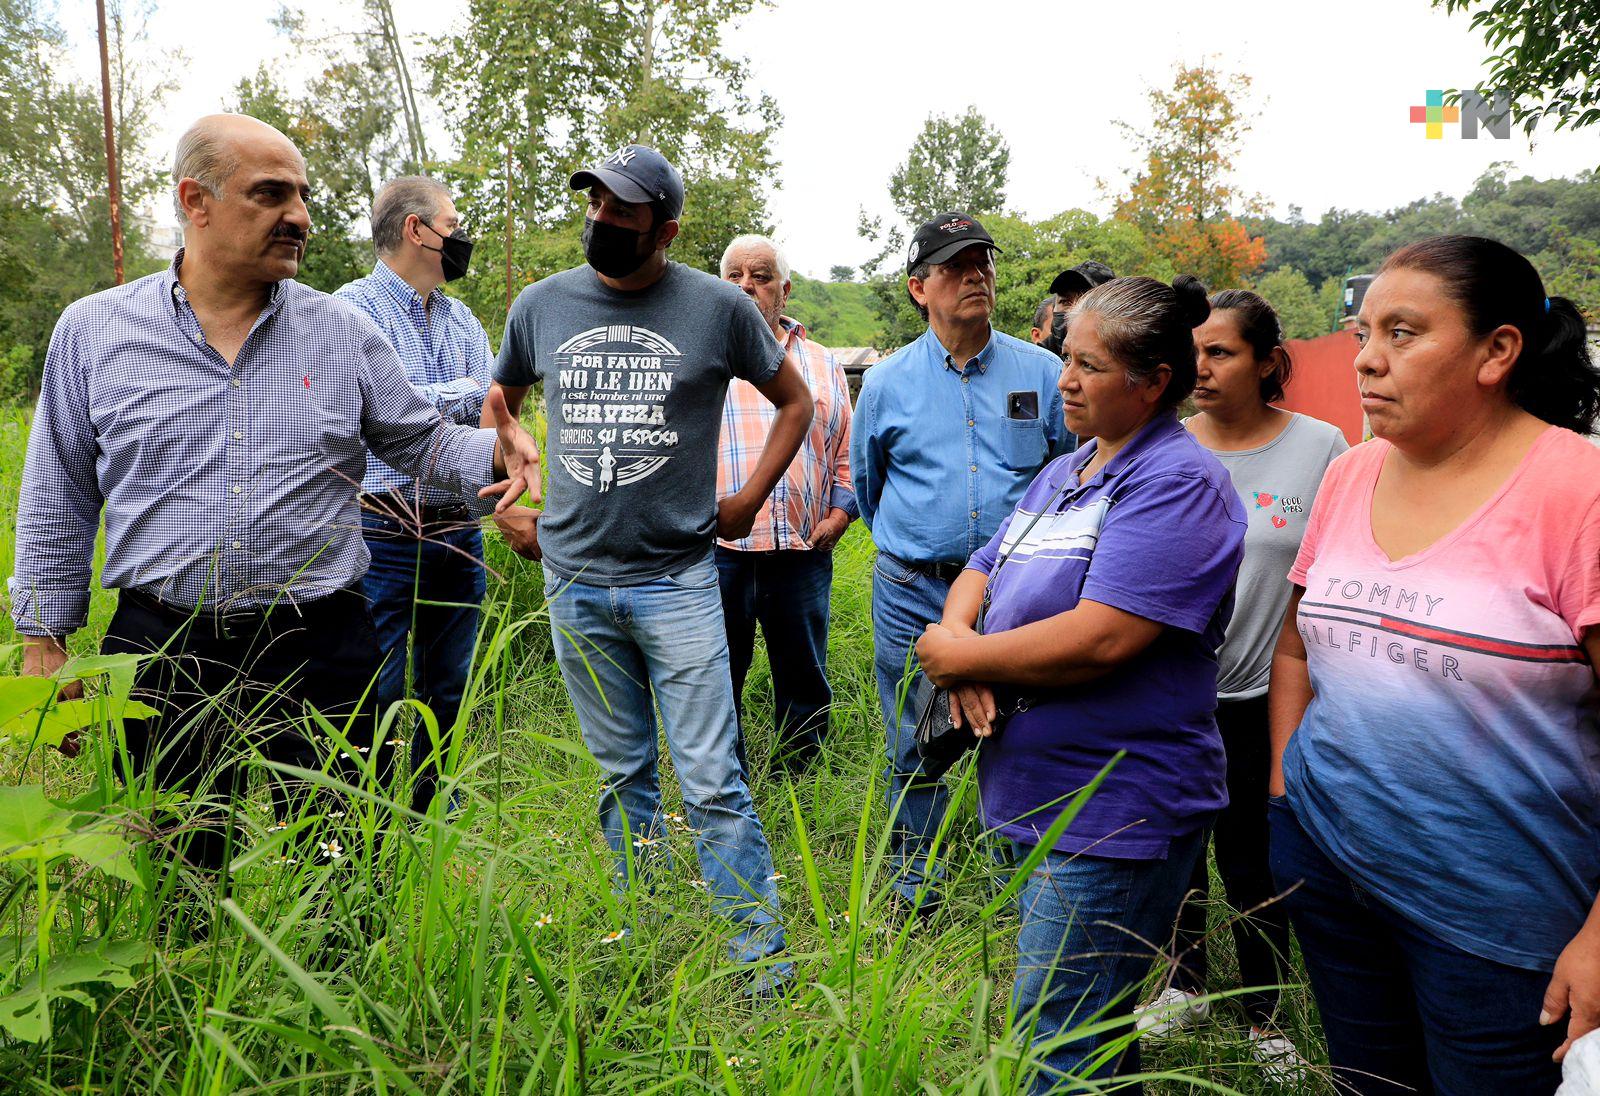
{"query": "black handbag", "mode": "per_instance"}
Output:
(940, 744)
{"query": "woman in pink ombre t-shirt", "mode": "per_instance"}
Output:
(1434, 702)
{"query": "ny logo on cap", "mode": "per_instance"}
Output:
(622, 156)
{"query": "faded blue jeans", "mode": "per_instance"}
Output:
(1091, 929)
(665, 641)
(904, 602)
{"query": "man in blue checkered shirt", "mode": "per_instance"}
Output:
(426, 578)
(219, 414)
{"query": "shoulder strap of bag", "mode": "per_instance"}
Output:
(988, 586)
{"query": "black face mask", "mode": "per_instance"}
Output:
(1058, 332)
(455, 252)
(611, 250)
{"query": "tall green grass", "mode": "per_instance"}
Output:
(480, 952)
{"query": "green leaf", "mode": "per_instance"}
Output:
(31, 825)
(25, 1013)
(22, 695)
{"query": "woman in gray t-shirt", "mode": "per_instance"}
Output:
(1276, 459)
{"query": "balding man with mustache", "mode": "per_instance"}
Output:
(219, 413)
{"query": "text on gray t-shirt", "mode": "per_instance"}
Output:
(634, 385)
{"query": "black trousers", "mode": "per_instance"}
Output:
(229, 689)
(1239, 834)
(786, 593)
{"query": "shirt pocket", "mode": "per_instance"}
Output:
(1023, 448)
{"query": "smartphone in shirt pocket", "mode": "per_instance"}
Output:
(1022, 405)
(1024, 444)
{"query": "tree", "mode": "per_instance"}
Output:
(356, 122)
(1300, 312)
(841, 273)
(1523, 213)
(1543, 55)
(1033, 253)
(1183, 196)
(1571, 268)
(561, 83)
(835, 313)
(955, 163)
(55, 236)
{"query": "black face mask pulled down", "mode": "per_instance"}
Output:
(455, 252)
(611, 250)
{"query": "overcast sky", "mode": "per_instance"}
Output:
(1333, 83)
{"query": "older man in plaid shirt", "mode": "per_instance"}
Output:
(781, 574)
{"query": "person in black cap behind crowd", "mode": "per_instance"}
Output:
(1065, 290)
(635, 354)
(947, 434)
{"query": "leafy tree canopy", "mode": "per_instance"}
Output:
(1544, 55)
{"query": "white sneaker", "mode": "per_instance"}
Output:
(1279, 1058)
(1174, 1012)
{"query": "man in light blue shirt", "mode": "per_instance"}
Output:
(948, 433)
(426, 578)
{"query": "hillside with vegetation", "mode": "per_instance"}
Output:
(836, 313)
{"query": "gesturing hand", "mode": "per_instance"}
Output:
(516, 456)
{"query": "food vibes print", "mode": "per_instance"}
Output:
(1285, 504)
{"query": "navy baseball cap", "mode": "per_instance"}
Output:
(639, 174)
(939, 239)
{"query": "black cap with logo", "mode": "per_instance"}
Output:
(1081, 278)
(638, 174)
(939, 239)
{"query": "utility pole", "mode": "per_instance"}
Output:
(509, 227)
(647, 56)
(113, 187)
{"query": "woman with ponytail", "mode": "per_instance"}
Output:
(1433, 700)
(1112, 588)
(1276, 459)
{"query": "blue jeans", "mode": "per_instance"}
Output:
(427, 592)
(1091, 928)
(1403, 1010)
(787, 594)
(664, 641)
(904, 602)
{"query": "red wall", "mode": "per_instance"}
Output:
(1323, 383)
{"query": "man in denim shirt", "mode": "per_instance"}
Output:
(426, 578)
(947, 434)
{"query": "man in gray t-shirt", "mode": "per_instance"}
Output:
(635, 354)
(634, 382)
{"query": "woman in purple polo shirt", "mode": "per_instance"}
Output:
(1114, 585)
